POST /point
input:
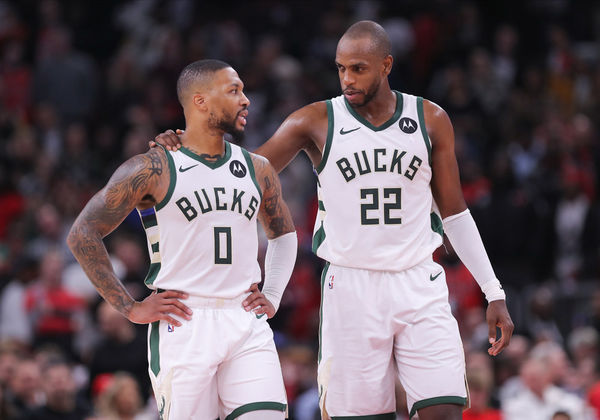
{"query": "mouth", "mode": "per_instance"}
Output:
(351, 94)
(241, 117)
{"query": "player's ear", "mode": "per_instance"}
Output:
(387, 64)
(199, 101)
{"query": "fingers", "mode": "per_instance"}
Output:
(492, 331)
(169, 139)
(266, 309)
(170, 320)
(253, 288)
(172, 304)
(175, 307)
(506, 330)
(174, 294)
(254, 300)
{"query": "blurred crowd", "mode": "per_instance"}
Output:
(85, 85)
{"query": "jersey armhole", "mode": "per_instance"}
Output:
(329, 137)
(421, 115)
(251, 170)
(172, 180)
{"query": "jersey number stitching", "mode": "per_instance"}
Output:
(374, 204)
(222, 256)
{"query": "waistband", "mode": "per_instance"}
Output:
(195, 301)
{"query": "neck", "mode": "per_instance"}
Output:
(203, 140)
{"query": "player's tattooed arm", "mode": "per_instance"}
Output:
(136, 181)
(274, 214)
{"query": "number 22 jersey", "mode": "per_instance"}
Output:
(376, 209)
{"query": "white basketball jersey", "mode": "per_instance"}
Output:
(376, 209)
(202, 237)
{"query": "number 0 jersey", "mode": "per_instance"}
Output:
(376, 209)
(202, 237)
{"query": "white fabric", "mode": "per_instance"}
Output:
(205, 241)
(279, 264)
(466, 241)
(218, 361)
(380, 219)
(381, 325)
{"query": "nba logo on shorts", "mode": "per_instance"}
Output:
(170, 327)
(331, 281)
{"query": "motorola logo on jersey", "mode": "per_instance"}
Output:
(408, 125)
(237, 168)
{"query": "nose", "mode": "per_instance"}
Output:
(347, 78)
(245, 101)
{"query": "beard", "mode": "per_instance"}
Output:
(226, 123)
(369, 94)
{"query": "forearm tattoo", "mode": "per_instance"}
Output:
(134, 180)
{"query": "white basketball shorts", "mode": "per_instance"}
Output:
(376, 325)
(220, 364)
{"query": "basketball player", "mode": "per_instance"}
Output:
(388, 186)
(214, 356)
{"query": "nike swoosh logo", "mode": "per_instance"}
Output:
(188, 168)
(342, 132)
(432, 277)
(259, 316)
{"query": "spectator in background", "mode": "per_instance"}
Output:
(25, 389)
(122, 400)
(123, 347)
(541, 325)
(53, 310)
(508, 366)
(62, 402)
(14, 324)
(481, 383)
(64, 78)
(540, 398)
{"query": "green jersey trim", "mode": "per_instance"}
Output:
(323, 275)
(329, 136)
(436, 401)
(154, 354)
(423, 128)
(213, 165)
(392, 120)
(256, 406)
(436, 224)
(251, 170)
(152, 273)
(319, 238)
(384, 416)
(172, 181)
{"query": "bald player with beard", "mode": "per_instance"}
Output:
(388, 189)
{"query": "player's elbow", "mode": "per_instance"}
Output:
(73, 238)
(78, 236)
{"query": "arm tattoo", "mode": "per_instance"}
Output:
(135, 179)
(274, 214)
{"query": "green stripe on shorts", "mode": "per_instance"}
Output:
(462, 401)
(385, 416)
(256, 406)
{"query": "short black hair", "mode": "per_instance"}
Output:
(380, 41)
(198, 71)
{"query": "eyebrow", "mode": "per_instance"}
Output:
(237, 84)
(358, 63)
